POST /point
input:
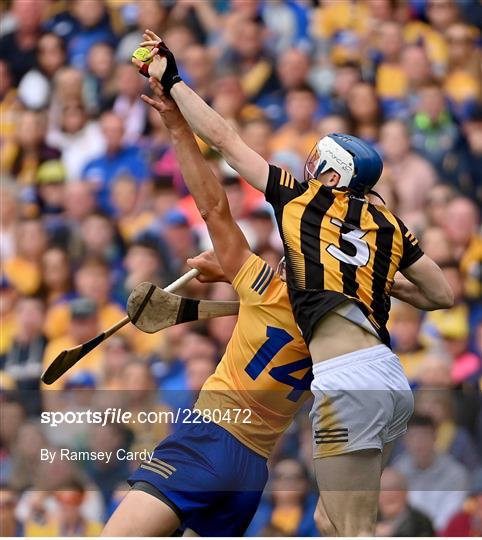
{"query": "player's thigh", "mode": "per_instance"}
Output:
(141, 514)
(387, 451)
(349, 486)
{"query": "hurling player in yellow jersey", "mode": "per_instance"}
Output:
(209, 476)
(342, 255)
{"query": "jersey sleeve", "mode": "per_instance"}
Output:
(253, 281)
(282, 187)
(411, 249)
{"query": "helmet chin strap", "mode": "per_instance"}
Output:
(373, 192)
(319, 169)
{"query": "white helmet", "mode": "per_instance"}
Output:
(357, 163)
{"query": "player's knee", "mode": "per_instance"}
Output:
(322, 521)
(361, 520)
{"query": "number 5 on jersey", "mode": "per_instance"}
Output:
(354, 238)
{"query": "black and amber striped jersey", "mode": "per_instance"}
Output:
(338, 247)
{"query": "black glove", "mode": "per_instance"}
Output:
(171, 74)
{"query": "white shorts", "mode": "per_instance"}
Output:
(362, 400)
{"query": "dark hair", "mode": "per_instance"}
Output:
(59, 38)
(305, 88)
(422, 420)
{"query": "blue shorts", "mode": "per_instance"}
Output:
(213, 482)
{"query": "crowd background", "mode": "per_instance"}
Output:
(93, 203)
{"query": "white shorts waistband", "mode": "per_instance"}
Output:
(362, 356)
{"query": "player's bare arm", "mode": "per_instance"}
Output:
(207, 123)
(229, 242)
(425, 286)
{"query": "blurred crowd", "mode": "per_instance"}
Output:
(93, 203)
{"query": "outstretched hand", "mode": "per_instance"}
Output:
(163, 65)
(169, 111)
(156, 68)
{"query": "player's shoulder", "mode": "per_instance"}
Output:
(282, 179)
(257, 282)
(384, 217)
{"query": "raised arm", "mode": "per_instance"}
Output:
(425, 286)
(231, 246)
(206, 122)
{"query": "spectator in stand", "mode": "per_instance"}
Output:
(364, 111)
(412, 177)
(57, 284)
(437, 483)
(390, 81)
(79, 139)
(9, 103)
(9, 213)
(26, 450)
(118, 158)
(437, 204)
(346, 76)
(462, 82)
(290, 506)
(469, 521)
(100, 84)
(292, 69)
(473, 129)
(405, 325)
(434, 132)
(440, 14)
(23, 361)
(180, 239)
(128, 104)
(452, 326)
(461, 225)
(8, 298)
(298, 134)
(132, 220)
(436, 245)
(147, 259)
(50, 190)
(199, 67)
(68, 520)
(68, 88)
(248, 56)
(101, 239)
(107, 475)
(456, 440)
(23, 270)
(91, 22)
(79, 203)
(18, 47)
(139, 386)
(117, 354)
(9, 525)
(417, 72)
(28, 149)
(396, 517)
(35, 88)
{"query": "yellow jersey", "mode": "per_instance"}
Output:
(265, 372)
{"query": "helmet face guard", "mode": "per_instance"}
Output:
(357, 163)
